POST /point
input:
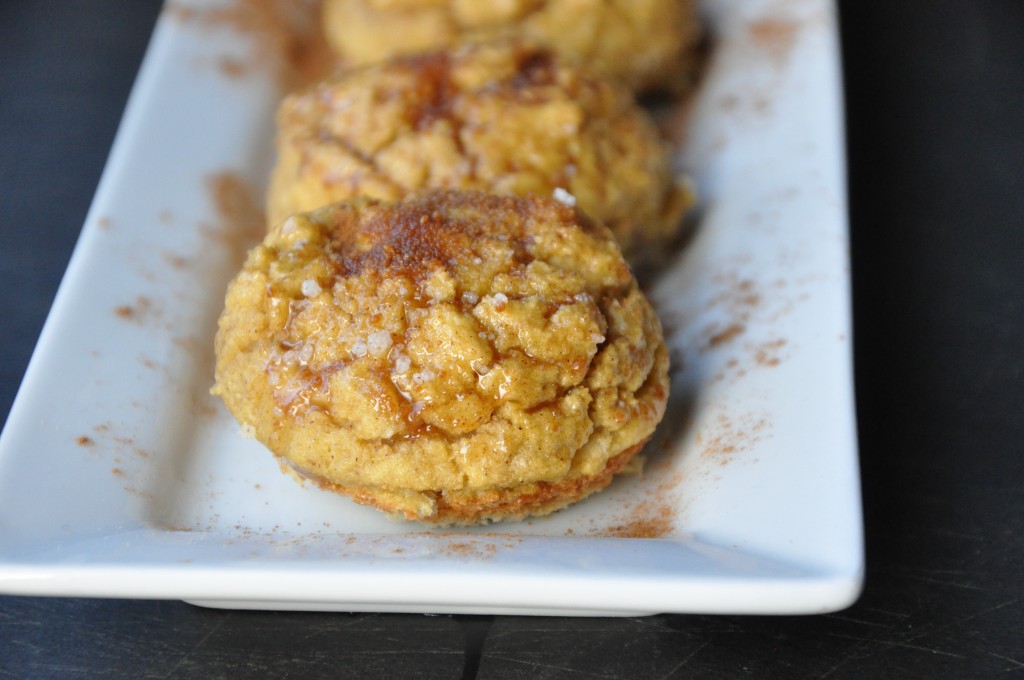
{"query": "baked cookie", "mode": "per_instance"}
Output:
(454, 358)
(642, 44)
(502, 117)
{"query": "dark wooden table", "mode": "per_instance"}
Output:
(935, 95)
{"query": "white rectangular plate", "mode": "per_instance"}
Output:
(121, 477)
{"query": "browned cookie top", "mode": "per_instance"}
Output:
(454, 343)
(504, 117)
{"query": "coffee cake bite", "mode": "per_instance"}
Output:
(642, 44)
(456, 357)
(505, 117)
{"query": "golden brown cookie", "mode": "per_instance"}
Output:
(503, 117)
(454, 358)
(642, 44)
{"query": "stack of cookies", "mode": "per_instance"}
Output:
(441, 321)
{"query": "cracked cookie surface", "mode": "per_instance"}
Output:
(505, 117)
(456, 357)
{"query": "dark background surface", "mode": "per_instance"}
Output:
(935, 108)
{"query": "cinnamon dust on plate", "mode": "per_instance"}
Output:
(241, 222)
(286, 38)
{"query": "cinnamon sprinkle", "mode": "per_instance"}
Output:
(726, 335)
(241, 219)
(286, 37)
(776, 37)
(646, 521)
